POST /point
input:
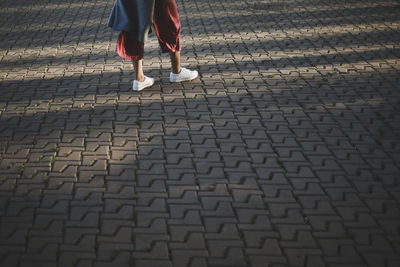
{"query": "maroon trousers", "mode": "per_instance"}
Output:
(167, 26)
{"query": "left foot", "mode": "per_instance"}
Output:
(139, 86)
(183, 76)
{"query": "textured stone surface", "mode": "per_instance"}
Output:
(285, 152)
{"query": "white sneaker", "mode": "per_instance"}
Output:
(139, 86)
(184, 75)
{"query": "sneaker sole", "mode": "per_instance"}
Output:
(138, 90)
(185, 80)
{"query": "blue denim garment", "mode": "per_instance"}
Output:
(134, 16)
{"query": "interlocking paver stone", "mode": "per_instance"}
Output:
(285, 152)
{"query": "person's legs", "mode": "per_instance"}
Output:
(129, 48)
(167, 25)
(138, 67)
(141, 81)
(168, 28)
(175, 61)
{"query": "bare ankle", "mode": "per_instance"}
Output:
(176, 71)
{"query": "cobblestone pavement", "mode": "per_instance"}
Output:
(285, 152)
